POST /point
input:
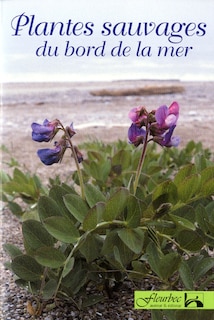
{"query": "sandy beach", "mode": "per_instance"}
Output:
(99, 110)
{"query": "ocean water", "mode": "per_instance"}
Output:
(22, 62)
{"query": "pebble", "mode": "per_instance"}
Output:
(48, 318)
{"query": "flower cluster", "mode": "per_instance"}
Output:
(160, 124)
(46, 132)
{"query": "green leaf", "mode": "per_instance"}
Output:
(185, 211)
(189, 187)
(208, 280)
(19, 176)
(207, 174)
(12, 250)
(68, 267)
(4, 177)
(207, 189)
(76, 279)
(183, 173)
(47, 207)
(100, 170)
(186, 275)
(122, 158)
(182, 222)
(116, 204)
(97, 155)
(69, 188)
(133, 238)
(133, 212)
(163, 265)
(49, 289)
(93, 195)
(35, 235)
(62, 228)
(27, 268)
(210, 210)
(12, 187)
(50, 257)
(202, 267)
(91, 248)
(200, 161)
(112, 239)
(25, 190)
(118, 258)
(140, 270)
(166, 192)
(190, 240)
(31, 215)
(202, 218)
(15, 208)
(57, 193)
(77, 206)
(94, 216)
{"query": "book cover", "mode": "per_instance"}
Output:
(87, 64)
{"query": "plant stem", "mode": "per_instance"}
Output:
(79, 172)
(141, 161)
(75, 247)
(81, 240)
(173, 241)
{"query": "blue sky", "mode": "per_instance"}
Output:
(20, 62)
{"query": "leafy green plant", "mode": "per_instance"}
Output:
(113, 228)
(21, 191)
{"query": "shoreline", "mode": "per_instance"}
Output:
(103, 117)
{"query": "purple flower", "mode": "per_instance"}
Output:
(70, 130)
(167, 117)
(138, 115)
(78, 154)
(50, 156)
(136, 135)
(167, 140)
(44, 132)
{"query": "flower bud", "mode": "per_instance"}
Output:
(78, 154)
(70, 130)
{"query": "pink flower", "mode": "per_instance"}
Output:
(167, 117)
(138, 115)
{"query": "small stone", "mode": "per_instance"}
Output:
(49, 317)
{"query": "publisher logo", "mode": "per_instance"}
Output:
(174, 300)
(193, 300)
(159, 300)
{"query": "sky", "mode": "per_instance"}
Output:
(110, 40)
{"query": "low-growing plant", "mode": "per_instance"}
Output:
(116, 222)
(21, 190)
